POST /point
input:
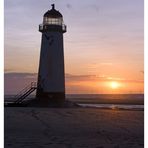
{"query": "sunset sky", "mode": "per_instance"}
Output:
(103, 45)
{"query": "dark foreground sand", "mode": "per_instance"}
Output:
(73, 128)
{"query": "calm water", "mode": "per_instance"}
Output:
(106, 96)
(114, 106)
(110, 101)
(91, 96)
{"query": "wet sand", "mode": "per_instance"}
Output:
(73, 128)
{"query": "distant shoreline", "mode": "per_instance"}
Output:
(124, 99)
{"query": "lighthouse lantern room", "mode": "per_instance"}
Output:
(51, 81)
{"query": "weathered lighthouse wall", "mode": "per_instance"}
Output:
(51, 67)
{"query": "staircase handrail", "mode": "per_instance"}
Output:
(21, 98)
(32, 84)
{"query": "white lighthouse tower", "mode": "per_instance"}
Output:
(51, 81)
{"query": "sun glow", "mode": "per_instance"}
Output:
(114, 85)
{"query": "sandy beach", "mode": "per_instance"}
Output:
(73, 128)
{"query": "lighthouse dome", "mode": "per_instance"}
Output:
(53, 13)
(52, 20)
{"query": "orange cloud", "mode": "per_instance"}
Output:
(76, 83)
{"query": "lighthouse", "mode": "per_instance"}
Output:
(51, 81)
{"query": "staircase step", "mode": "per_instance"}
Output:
(26, 92)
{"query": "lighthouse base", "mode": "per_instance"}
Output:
(50, 99)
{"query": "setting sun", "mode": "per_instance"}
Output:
(114, 85)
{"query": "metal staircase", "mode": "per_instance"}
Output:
(25, 92)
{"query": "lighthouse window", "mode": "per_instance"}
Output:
(45, 20)
(56, 21)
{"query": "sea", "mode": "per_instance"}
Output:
(102, 101)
